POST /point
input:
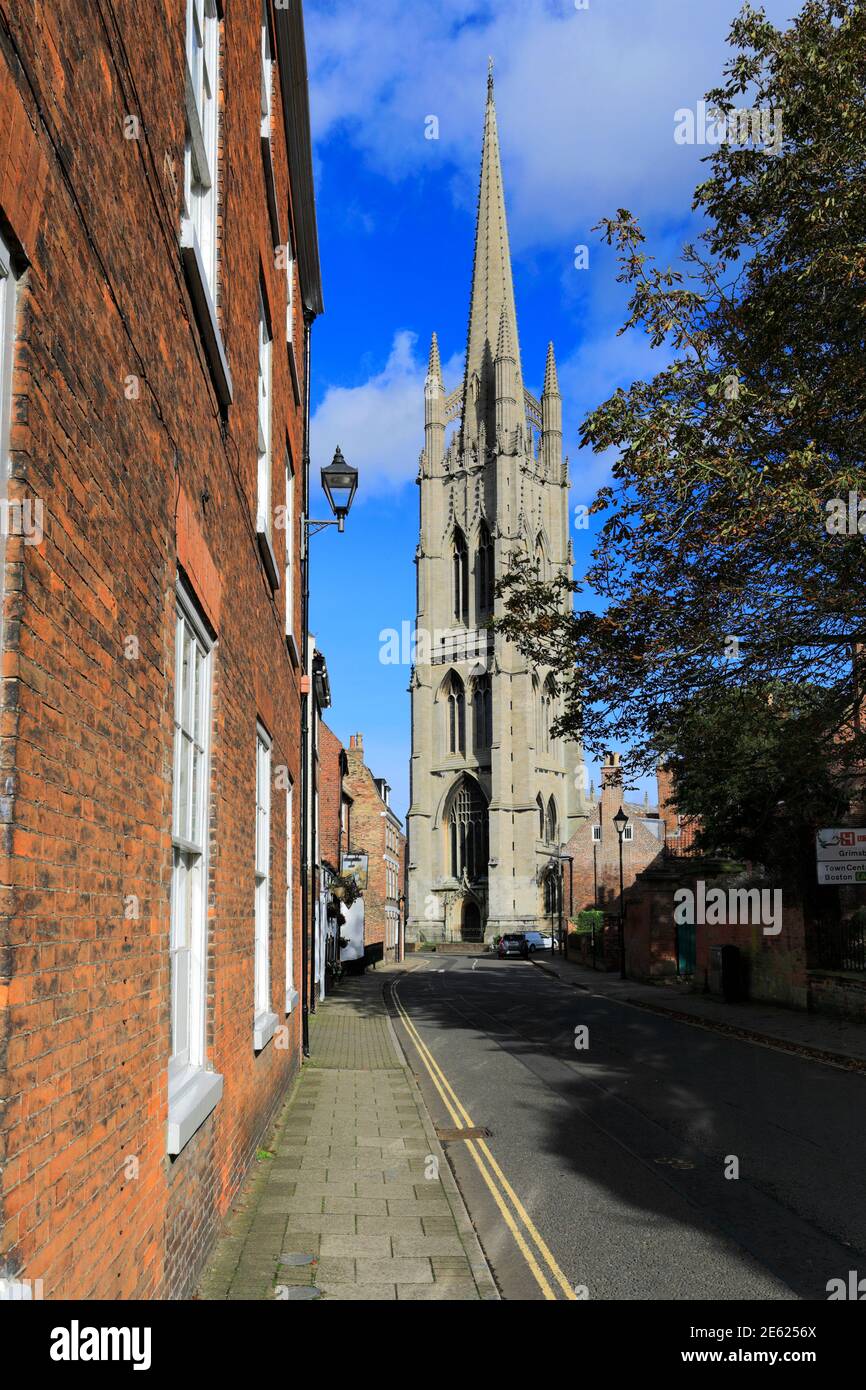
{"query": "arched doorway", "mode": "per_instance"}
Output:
(470, 926)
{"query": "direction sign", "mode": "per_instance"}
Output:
(841, 854)
(848, 842)
(851, 871)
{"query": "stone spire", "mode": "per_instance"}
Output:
(434, 408)
(551, 381)
(492, 290)
(551, 418)
(434, 365)
(506, 385)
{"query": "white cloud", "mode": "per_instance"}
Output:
(586, 98)
(379, 424)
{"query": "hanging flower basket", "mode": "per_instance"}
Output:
(345, 889)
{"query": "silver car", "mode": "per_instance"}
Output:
(536, 941)
(512, 944)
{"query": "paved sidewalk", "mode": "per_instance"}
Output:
(354, 1199)
(835, 1040)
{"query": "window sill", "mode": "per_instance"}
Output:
(205, 312)
(190, 1106)
(292, 998)
(269, 559)
(271, 188)
(264, 1028)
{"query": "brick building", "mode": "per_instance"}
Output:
(331, 829)
(335, 802)
(593, 878)
(158, 278)
(377, 831)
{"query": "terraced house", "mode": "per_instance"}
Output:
(159, 276)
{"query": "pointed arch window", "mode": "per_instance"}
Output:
(548, 712)
(484, 573)
(467, 832)
(460, 581)
(482, 713)
(536, 705)
(540, 558)
(551, 894)
(455, 714)
(551, 823)
(540, 804)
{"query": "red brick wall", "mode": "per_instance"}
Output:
(129, 486)
(330, 783)
(775, 965)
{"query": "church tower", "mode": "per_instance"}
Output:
(493, 794)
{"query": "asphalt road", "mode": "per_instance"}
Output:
(613, 1158)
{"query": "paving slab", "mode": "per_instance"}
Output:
(343, 1183)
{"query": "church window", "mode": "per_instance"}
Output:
(482, 713)
(551, 894)
(467, 828)
(548, 696)
(552, 823)
(484, 572)
(461, 577)
(455, 714)
(540, 558)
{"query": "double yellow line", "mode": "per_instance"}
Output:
(516, 1217)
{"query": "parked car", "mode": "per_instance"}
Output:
(523, 943)
(536, 941)
(511, 944)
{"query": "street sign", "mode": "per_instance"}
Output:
(356, 865)
(851, 871)
(841, 855)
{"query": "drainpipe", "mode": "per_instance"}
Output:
(305, 706)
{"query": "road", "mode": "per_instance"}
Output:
(604, 1175)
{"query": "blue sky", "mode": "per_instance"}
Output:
(585, 100)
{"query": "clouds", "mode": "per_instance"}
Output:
(586, 97)
(379, 423)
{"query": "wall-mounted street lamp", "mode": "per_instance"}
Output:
(620, 820)
(340, 483)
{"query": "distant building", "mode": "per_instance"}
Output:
(592, 880)
(377, 831)
(333, 841)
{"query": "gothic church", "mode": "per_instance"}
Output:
(493, 794)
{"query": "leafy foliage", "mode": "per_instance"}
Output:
(717, 570)
(755, 768)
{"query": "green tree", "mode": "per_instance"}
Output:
(755, 767)
(715, 560)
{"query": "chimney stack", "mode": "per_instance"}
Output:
(667, 812)
(611, 787)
